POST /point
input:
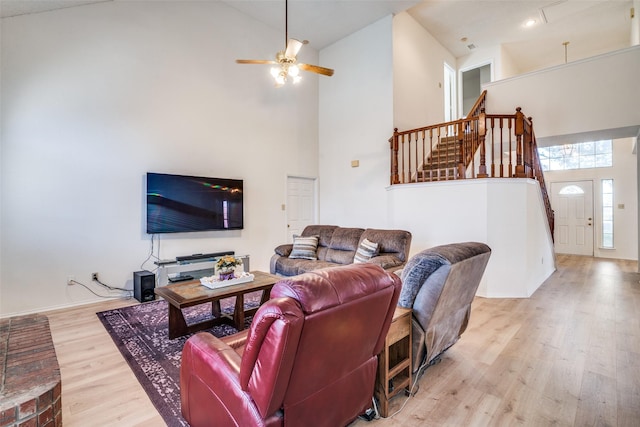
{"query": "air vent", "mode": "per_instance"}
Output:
(564, 9)
(471, 46)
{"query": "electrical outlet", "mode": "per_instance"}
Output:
(94, 277)
(70, 280)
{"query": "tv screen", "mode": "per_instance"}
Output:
(180, 203)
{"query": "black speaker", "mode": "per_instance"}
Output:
(144, 283)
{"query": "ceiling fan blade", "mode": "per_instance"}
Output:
(255, 61)
(316, 69)
(293, 47)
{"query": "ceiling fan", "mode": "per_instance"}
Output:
(286, 63)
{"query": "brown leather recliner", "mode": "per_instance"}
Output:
(309, 357)
(439, 285)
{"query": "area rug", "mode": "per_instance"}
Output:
(140, 333)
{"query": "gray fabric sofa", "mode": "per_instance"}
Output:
(338, 246)
(439, 284)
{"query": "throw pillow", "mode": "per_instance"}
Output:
(304, 247)
(283, 250)
(366, 250)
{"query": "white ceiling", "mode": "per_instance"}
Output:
(9, 8)
(591, 26)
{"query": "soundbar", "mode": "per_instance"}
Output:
(203, 256)
(180, 278)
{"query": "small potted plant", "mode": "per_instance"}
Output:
(226, 266)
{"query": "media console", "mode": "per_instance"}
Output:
(192, 267)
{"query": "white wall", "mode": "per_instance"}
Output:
(356, 110)
(418, 75)
(397, 84)
(508, 67)
(2, 132)
(635, 24)
(625, 220)
(506, 214)
(585, 96)
(502, 63)
(93, 97)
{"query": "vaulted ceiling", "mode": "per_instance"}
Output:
(590, 26)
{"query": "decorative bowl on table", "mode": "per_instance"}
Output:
(214, 281)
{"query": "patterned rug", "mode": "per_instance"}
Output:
(140, 333)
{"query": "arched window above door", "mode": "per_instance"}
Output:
(571, 190)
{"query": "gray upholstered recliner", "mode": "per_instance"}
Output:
(439, 285)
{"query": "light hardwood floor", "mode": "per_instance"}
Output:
(567, 356)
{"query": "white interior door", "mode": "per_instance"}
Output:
(572, 203)
(301, 205)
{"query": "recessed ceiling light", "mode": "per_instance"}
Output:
(463, 40)
(530, 23)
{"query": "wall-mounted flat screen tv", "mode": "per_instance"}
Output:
(181, 203)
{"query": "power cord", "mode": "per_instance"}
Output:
(111, 288)
(374, 413)
(75, 282)
(411, 391)
(151, 255)
(413, 386)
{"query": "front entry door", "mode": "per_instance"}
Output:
(301, 205)
(572, 203)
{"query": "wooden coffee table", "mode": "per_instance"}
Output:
(187, 294)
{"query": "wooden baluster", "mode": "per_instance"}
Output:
(419, 158)
(410, 168)
(470, 146)
(519, 132)
(431, 153)
(395, 177)
(482, 171)
(438, 143)
(445, 145)
(460, 149)
(501, 147)
(510, 124)
(466, 156)
(449, 174)
(493, 150)
(404, 170)
(424, 156)
(449, 134)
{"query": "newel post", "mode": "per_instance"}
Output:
(482, 130)
(395, 176)
(519, 131)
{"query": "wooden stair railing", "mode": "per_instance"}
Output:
(461, 149)
(479, 106)
(447, 166)
(531, 166)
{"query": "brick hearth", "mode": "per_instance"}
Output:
(30, 386)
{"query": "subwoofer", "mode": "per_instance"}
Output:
(144, 283)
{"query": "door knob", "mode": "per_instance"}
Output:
(288, 225)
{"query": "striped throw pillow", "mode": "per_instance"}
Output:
(304, 247)
(366, 250)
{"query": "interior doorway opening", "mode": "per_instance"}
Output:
(472, 81)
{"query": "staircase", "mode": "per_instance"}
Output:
(479, 146)
(442, 162)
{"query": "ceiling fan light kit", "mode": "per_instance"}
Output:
(281, 73)
(285, 64)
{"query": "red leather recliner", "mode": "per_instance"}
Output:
(309, 357)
